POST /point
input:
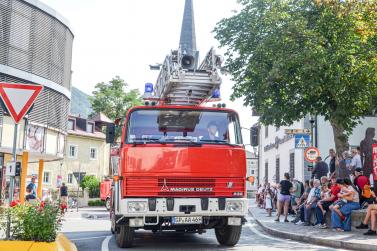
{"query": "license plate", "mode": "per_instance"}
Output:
(187, 220)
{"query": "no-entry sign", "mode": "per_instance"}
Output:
(311, 154)
(18, 98)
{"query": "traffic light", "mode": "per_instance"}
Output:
(254, 132)
(18, 169)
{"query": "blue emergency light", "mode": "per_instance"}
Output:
(148, 88)
(216, 93)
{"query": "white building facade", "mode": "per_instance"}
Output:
(278, 153)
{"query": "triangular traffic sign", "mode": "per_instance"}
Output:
(18, 98)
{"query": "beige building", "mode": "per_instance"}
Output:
(86, 152)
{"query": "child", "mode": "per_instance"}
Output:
(268, 201)
(325, 193)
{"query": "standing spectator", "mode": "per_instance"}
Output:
(284, 197)
(64, 193)
(63, 198)
(356, 161)
(268, 202)
(32, 187)
(332, 161)
(296, 194)
(320, 169)
(323, 206)
(311, 202)
(343, 168)
(361, 183)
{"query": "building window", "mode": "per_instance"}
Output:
(90, 127)
(277, 172)
(72, 151)
(71, 124)
(93, 153)
(266, 172)
(266, 131)
(70, 178)
(292, 165)
(252, 171)
(46, 177)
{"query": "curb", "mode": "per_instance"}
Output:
(62, 243)
(315, 240)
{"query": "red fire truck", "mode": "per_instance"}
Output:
(170, 176)
(180, 165)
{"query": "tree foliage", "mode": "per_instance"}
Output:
(113, 99)
(289, 58)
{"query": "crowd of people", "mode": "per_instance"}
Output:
(336, 189)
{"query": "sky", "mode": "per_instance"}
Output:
(122, 37)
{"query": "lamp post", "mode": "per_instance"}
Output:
(312, 120)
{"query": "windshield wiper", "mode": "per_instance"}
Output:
(218, 141)
(138, 141)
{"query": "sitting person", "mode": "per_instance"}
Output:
(311, 202)
(324, 204)
(342, 209)
(371, 213)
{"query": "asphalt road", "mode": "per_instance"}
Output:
(92, 234)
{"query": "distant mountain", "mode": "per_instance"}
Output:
(80, 104)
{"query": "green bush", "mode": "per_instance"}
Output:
(32, 222)
(96, 203)
(92, 183)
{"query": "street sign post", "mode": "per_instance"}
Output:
(302, 140)
(311, 154)
(297, 131)
(18, 99)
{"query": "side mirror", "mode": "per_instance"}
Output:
(254, 133)
(110, 133)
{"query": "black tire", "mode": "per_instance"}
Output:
(107, 204)
(125, 236)
(228, 235)
(113, 224)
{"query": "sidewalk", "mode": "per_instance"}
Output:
(348, 240)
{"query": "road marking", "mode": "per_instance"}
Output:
(88, 238)
(105, 243)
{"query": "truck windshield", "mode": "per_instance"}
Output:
(167, 125)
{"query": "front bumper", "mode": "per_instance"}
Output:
(162, 207)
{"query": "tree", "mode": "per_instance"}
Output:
(93, 185)
(113, 100)
(290, 58)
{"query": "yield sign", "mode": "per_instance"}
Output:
(18, 98)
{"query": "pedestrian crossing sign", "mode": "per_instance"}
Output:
(302, 140)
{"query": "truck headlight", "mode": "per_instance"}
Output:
(137, 206)
(234, 206)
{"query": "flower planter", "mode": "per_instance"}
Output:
(60, 244)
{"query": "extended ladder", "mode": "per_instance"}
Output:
(179, 86)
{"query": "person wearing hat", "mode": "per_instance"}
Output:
(362, 185)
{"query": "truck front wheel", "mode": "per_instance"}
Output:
(125, 236)
(228, 235)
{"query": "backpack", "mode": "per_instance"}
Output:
(366, 193)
